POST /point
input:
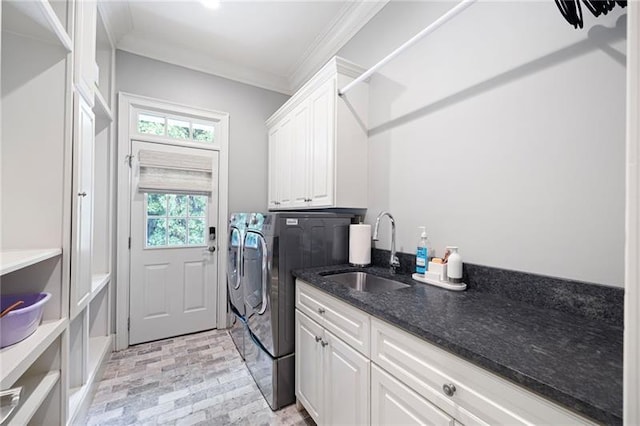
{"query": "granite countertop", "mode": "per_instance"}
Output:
(572, 360)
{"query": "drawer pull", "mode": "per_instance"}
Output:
(320, 311)
(449, 389)
(323, 343)
(318, 338)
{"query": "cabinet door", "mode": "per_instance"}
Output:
(86, 69)
(309, 365)
(274, 135)
(321, 153)
(284, 163)
(82, 228)
(346, 383)
(394, 403)
(300, 171)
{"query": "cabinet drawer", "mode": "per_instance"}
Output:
(346, 322)
(426, 369)
(394, 403)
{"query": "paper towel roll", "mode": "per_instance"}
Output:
(360, 244)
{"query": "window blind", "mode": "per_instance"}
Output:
(172, 172)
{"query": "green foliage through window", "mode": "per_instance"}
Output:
(175, 220)
(184, 129)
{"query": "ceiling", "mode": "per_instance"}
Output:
(276, 45)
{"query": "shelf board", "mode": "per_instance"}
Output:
(101, 107)
(35, 390)
(16, 359)
(98, 281)
(12, 260)
(35, 19)
(99, 350)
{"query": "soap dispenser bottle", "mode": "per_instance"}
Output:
(454, 265)
(422, 253)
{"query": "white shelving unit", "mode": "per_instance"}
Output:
(36, 58)
(43, 43)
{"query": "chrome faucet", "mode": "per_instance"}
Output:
(394, 262)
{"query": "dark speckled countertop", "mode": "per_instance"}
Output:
(572, 360)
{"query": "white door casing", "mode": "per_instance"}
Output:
(128, 105)
(173, 289)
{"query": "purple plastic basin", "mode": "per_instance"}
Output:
(20, 323)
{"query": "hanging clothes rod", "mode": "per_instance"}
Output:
(431, 28)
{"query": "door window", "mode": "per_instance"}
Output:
(175, 220)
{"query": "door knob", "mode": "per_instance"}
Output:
(323, 343)
(318, 338)
(82, 194)
(320, 311)
(449, 389)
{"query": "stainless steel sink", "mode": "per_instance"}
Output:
(362, 281)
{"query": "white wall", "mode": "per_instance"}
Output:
(248, 108)
(503, 133)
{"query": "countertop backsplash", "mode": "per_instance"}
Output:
(593, 301)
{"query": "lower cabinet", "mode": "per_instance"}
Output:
(332, 379)
(386, 376)
(394, 403)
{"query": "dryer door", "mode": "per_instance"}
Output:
(257, 288)
(234, 267)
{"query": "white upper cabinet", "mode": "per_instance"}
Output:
(323, 161)
(85, 67)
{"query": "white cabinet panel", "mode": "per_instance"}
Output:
(321, 162)
(309, 365)
(346, 383)
(300, 171)
(85, 67)
(393, 403)
(82, 227)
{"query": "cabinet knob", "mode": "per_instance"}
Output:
(318, 338)
(323, 343)
(320, 311)
(449, 389)
(82, 194)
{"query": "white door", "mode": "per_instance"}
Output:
(174, 286)
(393, 403)
(346, 383)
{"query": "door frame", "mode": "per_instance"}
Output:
(127, 104)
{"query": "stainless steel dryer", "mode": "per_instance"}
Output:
(274, 244)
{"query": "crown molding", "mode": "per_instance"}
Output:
(352, 17)
(117, 19)
(202, 62)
